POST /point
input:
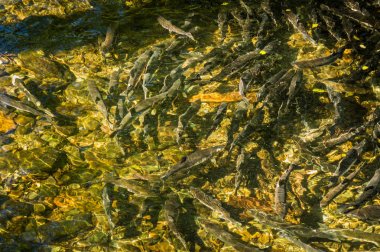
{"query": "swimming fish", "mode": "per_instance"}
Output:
(98, 100)
(367, 213)
(137, 71)
(171, 212)
(265, 5)
(320, 61)
(338, 189)
(298, 242)
(17, 81)
(217, 118)
(213, 204)
(185, 118)
(107, 205)
(21, 106)
(239, 114)
(227, 237)
(222, 19)
(196, 158)
(280, 205)
(294, 21)
(110, 36)
(349, 160)
(172, 28)
(371, 189)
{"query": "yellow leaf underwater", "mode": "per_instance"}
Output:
(6, 124)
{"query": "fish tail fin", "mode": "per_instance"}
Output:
(191, 36)
(345, 208)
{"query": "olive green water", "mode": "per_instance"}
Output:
(59, 187)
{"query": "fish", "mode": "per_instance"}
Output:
(280, 205)
(172, 28)
(349, 160)
(110, 36)
(294, 21)
(367, 213)
(243, 60)
(137, 70)
(185, 118)
(275, 85)
(236, 13)
(227, 237)
(340, 87)
(242, 88)
(359, 17)
(196, 158)
(113, 83)
(299, 230)
(253, 125)
(320, 61)
(376, 131)
(347, 27)
(120, 113)
(247, 9)
(149, 102)
(211, 60)
(174, 74)
(329, 21)
(265, 5)
(146, 104)
(354, 6)
(371, 189)
(336, 99)
(98, 100)
(150, 68)
(264, 89)
(21, 106)
(217, 118)
(150, 125)
(222, 20)
(247, 28)
(355, 235)
(170, 209)
(344, 136)
(295, 240)
(131, 186)
(174, 46)
(264, 20)
(213, 204)
(154, 59)
(238, 116)
(338, 189)
(249, 75)
(107, 205)
(17, 82)
(280, 89)
(294, 86)
(240, 162)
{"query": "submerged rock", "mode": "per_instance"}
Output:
(60, 230)
(44, 67)
(12, 208)
(37, 163)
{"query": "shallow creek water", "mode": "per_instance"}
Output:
(229, 133)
